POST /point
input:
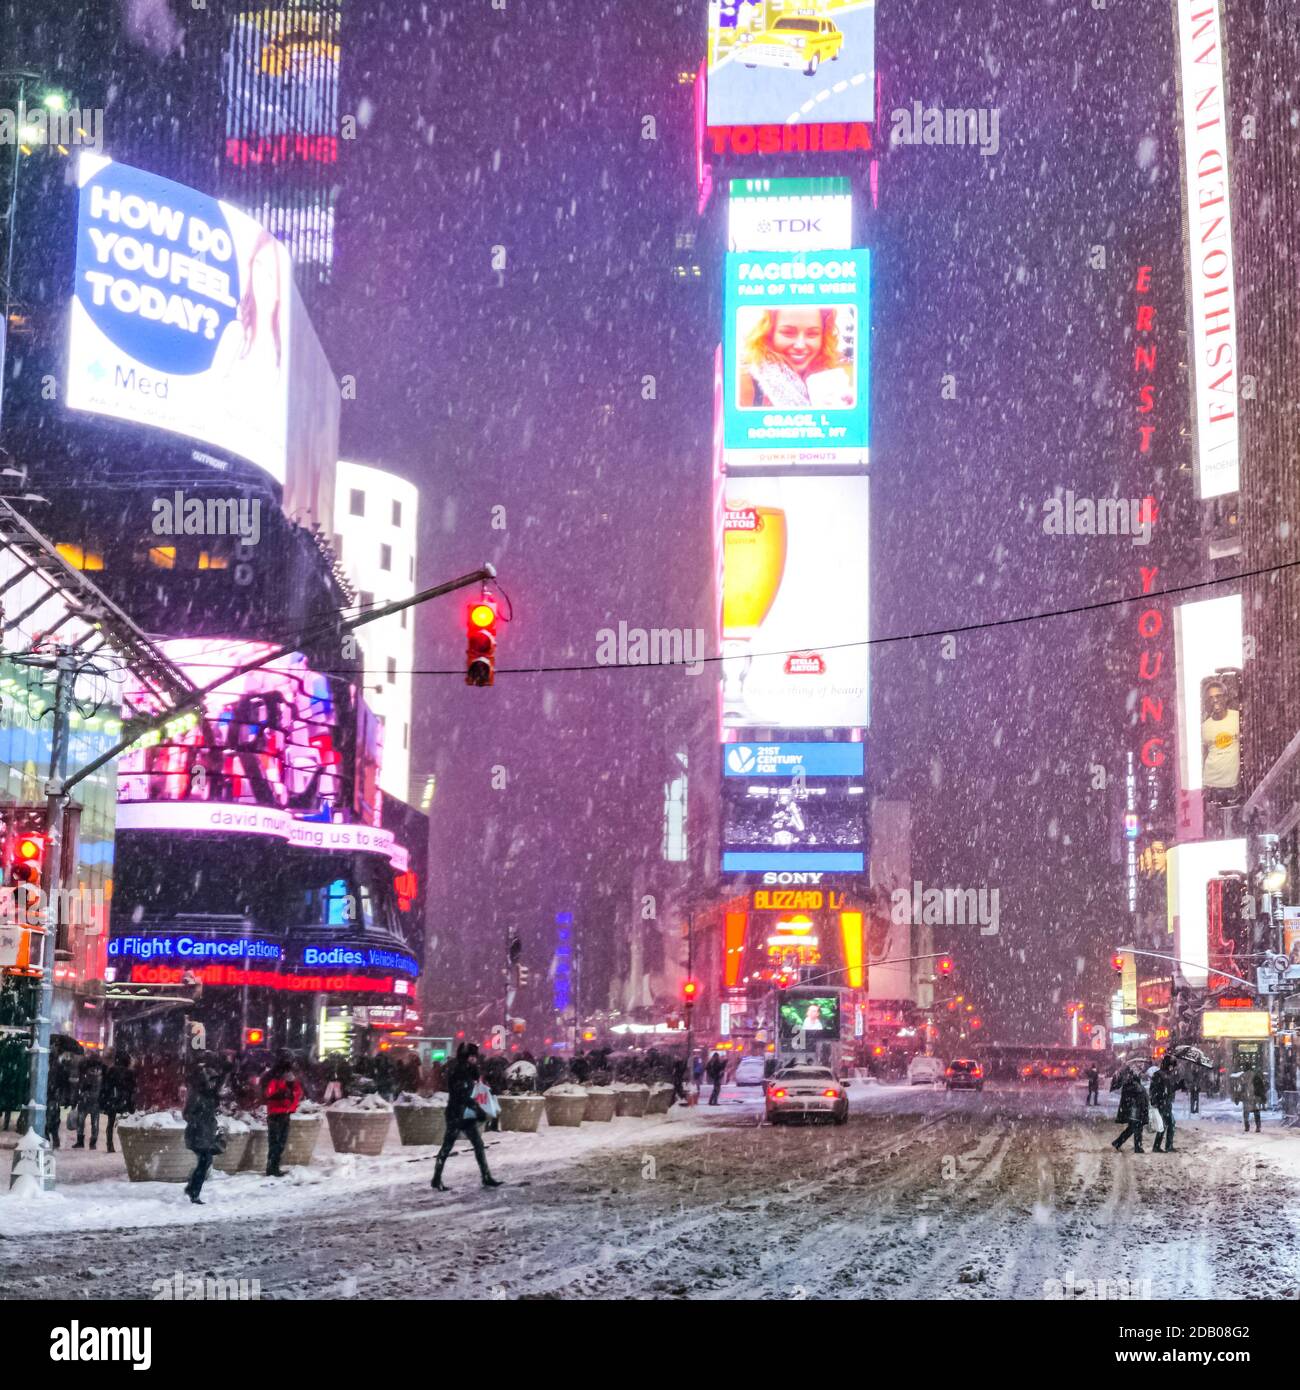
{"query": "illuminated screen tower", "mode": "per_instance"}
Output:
(281, 86)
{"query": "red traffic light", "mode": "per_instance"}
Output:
(254, 1037)
(690, 990)
(945, 965)
(481, 642)
(1117, 961)
(27, 852)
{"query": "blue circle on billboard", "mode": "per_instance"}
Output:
(157, 268)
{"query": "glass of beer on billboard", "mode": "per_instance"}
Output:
(753, 561)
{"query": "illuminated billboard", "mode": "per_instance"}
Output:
(796, 359)
(279, 738)
(1209, 660)
(1212, 297)
(793, 806)
(791, 75)
(815, 1019)
(795, 602)
(1191, 867)
(790, 215)
(1236, 1023)
(180, 317)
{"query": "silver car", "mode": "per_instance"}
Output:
(806, 1093)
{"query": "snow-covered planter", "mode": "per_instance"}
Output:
(632, 1098)
(255, 1155)
(153, 1146)
(359, 1125)
(420, 1119)
(235, 1133)
(304, 1130)
(522, 1113)
(602, 1103)
(661, 1098)
(566, 1104)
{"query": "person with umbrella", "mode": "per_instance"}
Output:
(1134, 1109)
(1163, 1085)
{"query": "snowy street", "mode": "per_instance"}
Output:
(1009, 1194)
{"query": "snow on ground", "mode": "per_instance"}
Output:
(1014, 1193)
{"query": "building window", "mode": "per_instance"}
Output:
(411, 575)
(365, 601)
(405, 611)
(406, 735)
(397, 512)
(385, 557)
(357, 502)
(392, 670)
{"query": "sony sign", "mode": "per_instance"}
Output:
(1209, 245)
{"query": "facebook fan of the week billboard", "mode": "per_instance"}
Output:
(796, 358)
(181, 314)
(785, 75)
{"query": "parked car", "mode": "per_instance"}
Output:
(924, 1071)
(806, 1093)
(963, 1074)
(750, 1070)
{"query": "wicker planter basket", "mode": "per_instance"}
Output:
(661, 1099)
(155, 1155)
(359, 1131)
(565, 1110)
(601, 1105)
(231, 1158)
(421, 1124)
(632, 1100)
(522, 1113)
(255, 1154)
(304, 1130)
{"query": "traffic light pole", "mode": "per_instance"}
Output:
(690, 1003)
(51, 881)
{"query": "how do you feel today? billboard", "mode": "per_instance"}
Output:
(181, 316)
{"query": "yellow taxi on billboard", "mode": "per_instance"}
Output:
(794, 41)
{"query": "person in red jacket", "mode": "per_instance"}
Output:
(283, 1093)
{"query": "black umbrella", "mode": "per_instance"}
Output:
(1135, 1066)
(1185, 1052)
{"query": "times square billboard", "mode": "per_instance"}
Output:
(796, 359)
(185, 318)
(796, 806)
(795, 602)
(786, 76)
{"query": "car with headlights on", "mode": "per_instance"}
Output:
(806, 1093)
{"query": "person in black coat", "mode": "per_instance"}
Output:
(1163, 1085)
(715, 1071)
(202, 1136)
(90, 1082)
(1094, 1086)
(463, 1115)
(1254, 1092)
(1134, 1111)
(58, 1093)
(118, 1094)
